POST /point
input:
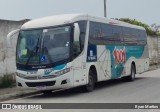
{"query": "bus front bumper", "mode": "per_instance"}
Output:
(61, 82)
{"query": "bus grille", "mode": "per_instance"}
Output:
(31, 77)
(36, 84)
(36, 77)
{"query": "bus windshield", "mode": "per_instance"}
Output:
(44, 46)
(55, 44)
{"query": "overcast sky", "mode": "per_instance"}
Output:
(147, 11)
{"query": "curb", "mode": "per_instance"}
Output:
(18, 94)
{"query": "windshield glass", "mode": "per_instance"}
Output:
(56, 45)
(44, 46)
(28, 47)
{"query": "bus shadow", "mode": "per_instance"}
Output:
(77, 91)
(114, 82)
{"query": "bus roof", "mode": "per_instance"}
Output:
(70, 18)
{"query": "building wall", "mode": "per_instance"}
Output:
(7, 60)
(154, 49)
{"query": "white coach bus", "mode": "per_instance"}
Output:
(66, 51)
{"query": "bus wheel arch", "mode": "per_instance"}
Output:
(92, 79)
(131, 77)
(94, 70)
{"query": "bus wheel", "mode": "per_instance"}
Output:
(91, 82)
(133, 73)
(131, 77)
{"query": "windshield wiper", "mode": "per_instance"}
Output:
(32, 52)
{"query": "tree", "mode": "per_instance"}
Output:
(149, 31)
(155, 27)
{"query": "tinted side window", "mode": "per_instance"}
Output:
(129, 36)
(83, 27)
(117, 34)
(95, 35)
(135, 33)
(142, 39)
(107, 32)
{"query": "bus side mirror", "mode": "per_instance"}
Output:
(76, 43)
(10, 36)
(76, 32)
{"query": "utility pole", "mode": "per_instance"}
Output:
(105, 9)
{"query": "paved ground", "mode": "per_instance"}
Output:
(13, 93)
(145, 89)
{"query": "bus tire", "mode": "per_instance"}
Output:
(131, 77)
(91, 83)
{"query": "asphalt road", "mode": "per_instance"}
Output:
(145, 89)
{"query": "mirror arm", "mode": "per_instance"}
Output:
(9, 37)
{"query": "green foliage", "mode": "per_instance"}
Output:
(6, 81)
(158, 34)
(135, 22)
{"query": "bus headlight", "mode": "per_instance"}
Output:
(62, 72)
(20, 75)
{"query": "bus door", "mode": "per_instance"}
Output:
(78, 71)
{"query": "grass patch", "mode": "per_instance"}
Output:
(7, 81)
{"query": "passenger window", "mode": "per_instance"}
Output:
(129, 36)
(117, 34)
(83, 28)
(95, 35)
(142, 37)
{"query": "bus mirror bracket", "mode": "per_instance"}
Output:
(10, 36)
(76, 32)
